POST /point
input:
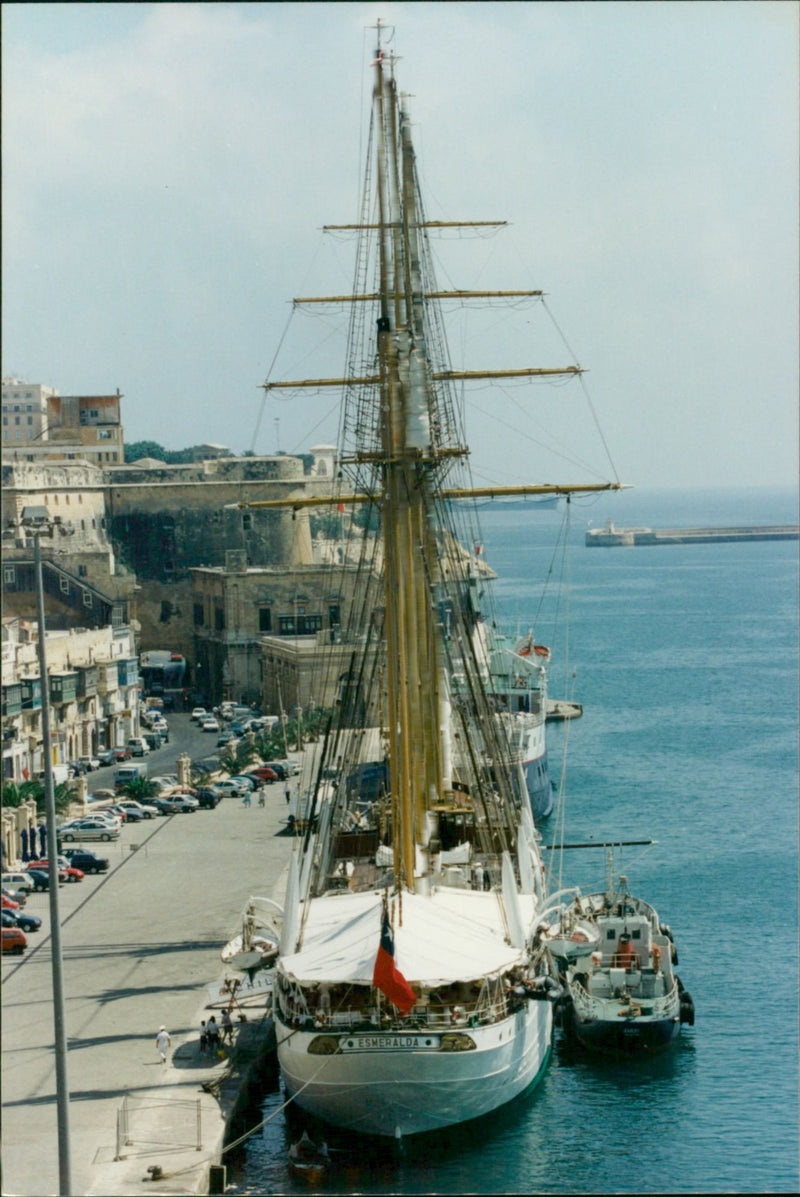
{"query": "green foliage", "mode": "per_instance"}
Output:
(238, 756)
(140, 788)
(138, 449)
(367, 517)
(329, 525)
(14, 795)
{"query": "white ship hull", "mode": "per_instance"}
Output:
(397, 1084)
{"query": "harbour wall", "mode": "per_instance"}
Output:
(611, 537)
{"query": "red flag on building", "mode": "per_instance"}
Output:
(388, 978)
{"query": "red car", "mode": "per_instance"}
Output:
(14, 940)
(65, 871)
(121, 754)
(9, 903)
(264, 772)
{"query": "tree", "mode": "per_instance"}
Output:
(140, 788)
(15, 794)
(237, 757)
(138, 449)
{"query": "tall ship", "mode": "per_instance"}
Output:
(414, 989)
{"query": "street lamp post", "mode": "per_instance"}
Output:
(37, 522)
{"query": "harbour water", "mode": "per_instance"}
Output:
(686, 664)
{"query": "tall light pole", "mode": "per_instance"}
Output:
(36, 522)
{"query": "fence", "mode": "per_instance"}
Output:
(145, 1123)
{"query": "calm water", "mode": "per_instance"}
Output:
(685, 659)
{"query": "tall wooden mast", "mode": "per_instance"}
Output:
(412, 666)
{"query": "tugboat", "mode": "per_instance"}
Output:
(623, 997)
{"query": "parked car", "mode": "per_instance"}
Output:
(41, 879)
(231, 788)
(66, 872)
(14, 940)
(25, 922)
(17, 881)
(82, 858)
(277, 767)
(208, 797)
(121, 754)
(106, 756)
(138, 746)
(76, 768)
(177, 804)
(109, 814)
(266, 773)
(153, 740)
(88, 829)
(250, 780)
(90, 763)
(198, 713)
(225, 738)
(128, 814)
(144, 809)
(209, 724)
(9, 903)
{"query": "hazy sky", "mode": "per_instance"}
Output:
(168, 168)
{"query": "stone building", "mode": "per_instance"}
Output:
(24, 412)
(299, 612)
(166, 520)
(84, 583)
(92, 683)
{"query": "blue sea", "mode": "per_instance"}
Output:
(685, 661)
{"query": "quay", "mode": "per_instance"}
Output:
(141, 944)
(610, 536)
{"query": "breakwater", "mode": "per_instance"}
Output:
(610, 536)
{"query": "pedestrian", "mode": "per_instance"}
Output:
(262, 800)
(288, 794)
(227, 1026)
(203, 1036)
(163, 1043)
(212, 1030)
(246, 800)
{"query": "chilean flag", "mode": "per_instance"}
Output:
(386, 977)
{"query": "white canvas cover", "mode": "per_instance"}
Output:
(451, 935)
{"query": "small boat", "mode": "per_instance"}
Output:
(622, 995)
(256, 946)
(308, 1160)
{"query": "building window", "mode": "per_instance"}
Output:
(87, 599)
(334, 615)
(198, 614)
(64, 585)
(8, 573)
(219, 619)
(82, 571)
(264, 619)
(247, 521)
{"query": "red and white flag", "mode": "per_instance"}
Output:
(386, 976)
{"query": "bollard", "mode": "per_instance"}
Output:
(216, 1180)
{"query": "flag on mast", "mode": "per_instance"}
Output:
(386, 976)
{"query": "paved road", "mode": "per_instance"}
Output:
(140, 945)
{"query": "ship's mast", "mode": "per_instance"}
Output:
(412, 669)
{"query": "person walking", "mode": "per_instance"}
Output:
(246, 800)
(212, 1030)
(227, 1026)
(288, 793)
(163, 1043)
(203, 1036)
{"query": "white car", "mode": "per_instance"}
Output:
(89, 762)
(165, 783)
(198, 714)
(232, 789)
(90, 828)
(210, 724)
(149, 812)
(17, 881)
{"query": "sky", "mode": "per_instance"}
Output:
(167, 170)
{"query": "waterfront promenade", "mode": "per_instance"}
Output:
(140, 945)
